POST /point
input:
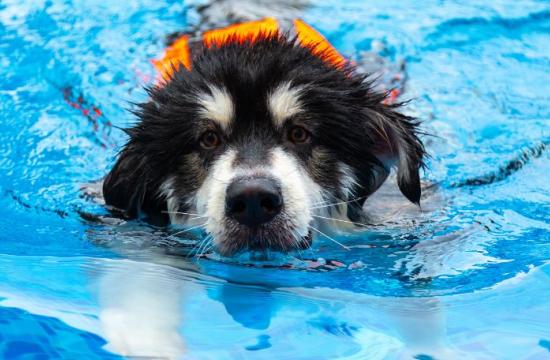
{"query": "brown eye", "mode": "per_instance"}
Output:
(210, 140)
(298, 135)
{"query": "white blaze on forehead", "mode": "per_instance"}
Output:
(217, 106)
(284, 102)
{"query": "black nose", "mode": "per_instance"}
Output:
(253, 201)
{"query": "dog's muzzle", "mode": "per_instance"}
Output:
(253, 201)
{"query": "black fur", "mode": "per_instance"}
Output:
(349, 123)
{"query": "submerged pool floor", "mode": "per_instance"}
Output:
(467, 278)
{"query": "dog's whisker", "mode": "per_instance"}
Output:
(190, 253)
(188, 229)
(328, 195)
(320, 203)
(330, 238)
(338, 203)
(197, 246)
(341, 220)
(182, 213)
(326, 202)
(190, 218)
(209, 245)
(202, 248)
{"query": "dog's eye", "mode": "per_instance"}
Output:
(298, 135)
(210, 140)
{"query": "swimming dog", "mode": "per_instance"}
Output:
(262, 140)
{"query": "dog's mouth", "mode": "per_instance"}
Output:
(261, 239)
(284, 244)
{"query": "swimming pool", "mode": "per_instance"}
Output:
(468, 278)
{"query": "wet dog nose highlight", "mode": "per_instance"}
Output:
(253, 201)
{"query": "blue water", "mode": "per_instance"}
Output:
(468, 278)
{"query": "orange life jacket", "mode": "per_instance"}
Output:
(179, 52)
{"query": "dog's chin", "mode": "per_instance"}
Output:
(270, 237)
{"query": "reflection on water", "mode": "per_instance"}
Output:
(152, 309)
(140, 310)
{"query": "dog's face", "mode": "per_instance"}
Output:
(262, 142)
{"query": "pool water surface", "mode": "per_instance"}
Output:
(466, 277)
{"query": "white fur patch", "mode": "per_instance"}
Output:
(338, 221)
(211, 195)
(300, 192)
(217, 106)
(167, 190)
(284, 102)
(347, 180)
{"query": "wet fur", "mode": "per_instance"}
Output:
(350, 123)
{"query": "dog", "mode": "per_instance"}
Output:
(263, 141)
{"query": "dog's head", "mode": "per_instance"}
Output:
(262, 141)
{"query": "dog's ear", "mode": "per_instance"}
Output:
(410, 162)
(125, 187)
(398, 136)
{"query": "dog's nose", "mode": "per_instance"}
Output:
(253, 201)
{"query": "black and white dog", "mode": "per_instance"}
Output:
(261, 143)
